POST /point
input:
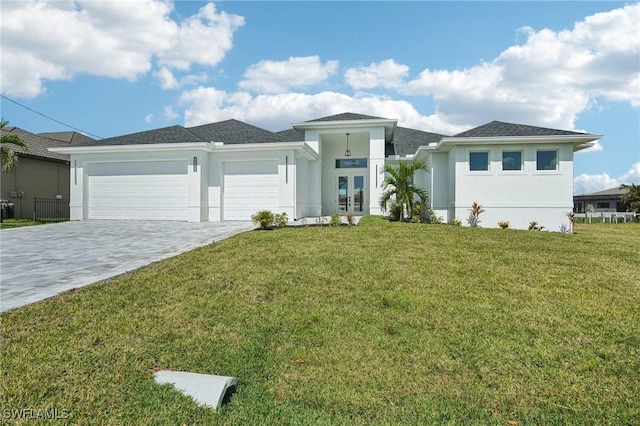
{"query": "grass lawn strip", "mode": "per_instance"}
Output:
(379, 323)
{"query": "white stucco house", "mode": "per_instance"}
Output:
(230, 169)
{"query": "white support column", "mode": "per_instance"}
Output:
(198, 165)
(376, 169)
(76, 190)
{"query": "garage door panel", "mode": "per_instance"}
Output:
(249, 187)
(144, 191)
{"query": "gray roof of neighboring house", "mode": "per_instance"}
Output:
(406, 141)
(346, 116)
(73, 138)
(500, 128)
(36, 145)
(607, 193)
(233, 132)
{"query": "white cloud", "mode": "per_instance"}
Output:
(387, 73)
(279, 111)
(549, 79)
(280, 76)
(166, 78)
(168, 81)
(169, 113)
(203, 38)
(632, 175)
(586, 184)
(57, 40)
(148, 118)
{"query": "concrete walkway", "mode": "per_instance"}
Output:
(38, 262)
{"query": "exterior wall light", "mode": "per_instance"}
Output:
(347, 153)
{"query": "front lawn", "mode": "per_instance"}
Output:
(389, 323)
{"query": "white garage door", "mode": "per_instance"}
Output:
(154, 190)
(248, 187)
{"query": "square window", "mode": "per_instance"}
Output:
(511, 160)
(546, 160)
(478, 161)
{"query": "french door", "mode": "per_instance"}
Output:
(351, 193)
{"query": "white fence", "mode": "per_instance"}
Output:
(606, 217)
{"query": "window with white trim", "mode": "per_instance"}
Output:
(547, 160)
(479, 161)
(512, 160)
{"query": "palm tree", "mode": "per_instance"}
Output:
(632, 197)
(398, 185)
(9, 157)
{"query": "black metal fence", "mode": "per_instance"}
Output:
(50, 210)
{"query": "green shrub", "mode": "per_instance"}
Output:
(504, 224)
(264, 218)
(395, 211)
(336, 220)
(434, 218)
(281, 219)
(416, 213)
(535, 226)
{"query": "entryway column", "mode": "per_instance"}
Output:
(376, 169)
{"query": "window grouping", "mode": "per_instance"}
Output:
(512, 160)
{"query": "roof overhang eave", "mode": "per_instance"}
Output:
(301, 147)
(578, 141)
(144, 147)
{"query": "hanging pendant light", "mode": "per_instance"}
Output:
(347, 152)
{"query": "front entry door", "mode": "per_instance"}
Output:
(351, 194)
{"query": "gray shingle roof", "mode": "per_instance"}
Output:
(500, 128)
(346, 116)
(36, 145)
(173, 134)
(406, 141)
(617, 191)
(233, 132)
(73, 138)
(291, 135)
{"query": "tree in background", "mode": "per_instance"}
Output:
(9, 157)
(632, 198)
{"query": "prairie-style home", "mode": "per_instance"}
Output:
(229, 170)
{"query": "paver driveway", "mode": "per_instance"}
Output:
(38, 262)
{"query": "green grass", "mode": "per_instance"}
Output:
(382, 323)
(18, 223)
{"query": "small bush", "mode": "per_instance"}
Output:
(336, 220)
(350, 219)
(395, 211)
(281, 219)
(474, 214)
(434, 218)
(535, 226)
(457, 222)
(504, 224)
(264, 218)
(416, 213)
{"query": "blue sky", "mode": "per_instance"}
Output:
(116, 67)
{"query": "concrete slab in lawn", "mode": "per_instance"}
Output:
(38, 262)
(205, 389)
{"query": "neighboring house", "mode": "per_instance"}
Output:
(609, 200)
(229, 170)
(38, 173)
